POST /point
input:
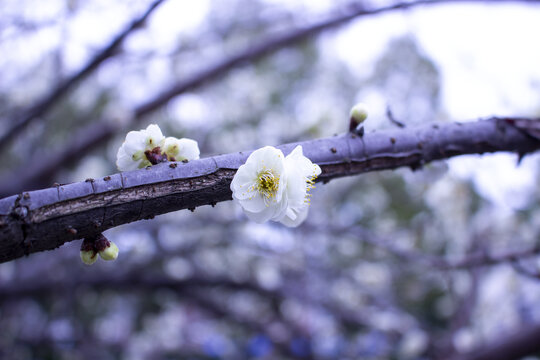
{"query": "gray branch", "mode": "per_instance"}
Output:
(45, 219)
(512, 347)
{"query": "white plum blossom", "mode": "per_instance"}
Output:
(131, 154)
(180, 149)
(259, 185)
(270, 186)
(148, 146)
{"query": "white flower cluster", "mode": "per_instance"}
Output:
(148, 147)
(270, 186)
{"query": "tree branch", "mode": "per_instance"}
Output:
(516, 346)
(49, 100)
(188, 289)
(45, 219)
(134, 280)
(37, 172)
(472, 260)
(524, 270)
(217, 309)
(137, 280)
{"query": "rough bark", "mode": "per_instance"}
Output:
(45, 219)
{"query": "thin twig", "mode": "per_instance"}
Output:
(392, 119)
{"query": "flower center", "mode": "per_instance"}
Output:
(155, 156)
(267, 183)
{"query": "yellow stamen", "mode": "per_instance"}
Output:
(310, 181)
(267, 184)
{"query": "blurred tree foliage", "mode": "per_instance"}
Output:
(368, 276)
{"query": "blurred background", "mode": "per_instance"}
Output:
(388, 265)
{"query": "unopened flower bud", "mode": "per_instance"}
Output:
(358, 114)
(88, 257)
(88, 252)
(110, 252)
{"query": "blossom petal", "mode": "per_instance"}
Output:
(260, 217)
(254, 204)
(244, 179)
(249, 193)
(268, 157)
(125, 163)
(181, 149)
(296, 187)
(298, 161)
(280, 209)
(171, 147)
(189, 149)
(153, 135)
(135, 141)
(300, 216)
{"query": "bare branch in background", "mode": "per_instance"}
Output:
(52, 98)
(511, 347)
(524, 270)
(483, 259)
(392, 118)
(45, 219)
(38, 172)
(220, 310)
(136, 281)
(474, 259)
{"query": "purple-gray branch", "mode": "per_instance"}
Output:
(45, 219)
(512, 347)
